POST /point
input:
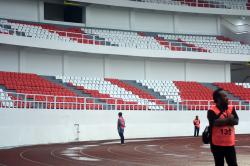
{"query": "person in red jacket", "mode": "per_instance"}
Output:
(196, 123)
(222, 118)
(120, 127)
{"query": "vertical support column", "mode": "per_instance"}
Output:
(40, 14)
(132, 19)
(218, 22)
(145, 68)
(63, 64)
(22, 60)
(227, 72)
(19, 59)
(104, 66)
(38, 11)
(174, 20)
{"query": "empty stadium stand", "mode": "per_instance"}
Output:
(129, 39)
(31, 91)
(39, 90)
(194, 94)
(223, 4)
(240, 90)
(111, 89)
(50, 32)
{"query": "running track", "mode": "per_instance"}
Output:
(180, 151)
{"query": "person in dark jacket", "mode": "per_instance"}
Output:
(222, 118)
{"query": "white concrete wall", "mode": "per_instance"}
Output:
(204, 72)
(52, 62)
(165, 69)
(40, 61)
(19, 9)
(9, 58)
(125, 67)
(196, 24)
(78, 64)
(108, 17)
(153, 21)
(26, 127)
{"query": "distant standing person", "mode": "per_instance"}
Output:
(120, 127)
(222, 118)
(196, 123)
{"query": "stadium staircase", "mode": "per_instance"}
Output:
(142, 94)
(79, 92)
(155, 94)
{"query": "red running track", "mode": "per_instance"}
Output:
(175, 151)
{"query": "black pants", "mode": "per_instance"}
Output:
(121, 131)
(221, 152)
(196, 131)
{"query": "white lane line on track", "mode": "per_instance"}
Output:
(110, 151)
(136, 149)
(85, 159)
(30, 160)
(52, 153)
(130, 140)
(245, 146)
(73, 153)
(174, 154)
(116, 160)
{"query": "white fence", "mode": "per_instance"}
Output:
(39, 101)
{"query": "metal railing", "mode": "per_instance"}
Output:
(142, 43)
(206, 4)
(9, 100)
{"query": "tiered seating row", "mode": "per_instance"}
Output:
(39, 91)
(238, 90)
(245, 85)
(23, 90)
(109, 91)
(129, 39)
(213, 44)
(193, 93)
(50, 32)
(223, 4)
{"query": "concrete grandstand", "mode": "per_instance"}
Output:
(68, 67)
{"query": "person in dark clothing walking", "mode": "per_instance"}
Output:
(222, 118)
(196, 123)
(120, 127)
